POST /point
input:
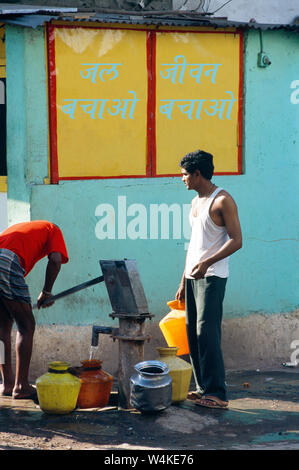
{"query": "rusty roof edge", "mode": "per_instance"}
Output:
(182, 19)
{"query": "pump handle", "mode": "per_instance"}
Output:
(96, 280)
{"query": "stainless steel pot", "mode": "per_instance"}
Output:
(151, 387)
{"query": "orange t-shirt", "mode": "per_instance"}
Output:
(31, 241)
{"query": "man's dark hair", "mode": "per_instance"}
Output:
(198, 160)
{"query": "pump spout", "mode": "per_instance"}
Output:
(96, 330)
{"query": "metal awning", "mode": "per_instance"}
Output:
(31, 16)
(17, 9)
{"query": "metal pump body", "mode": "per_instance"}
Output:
(130, 306)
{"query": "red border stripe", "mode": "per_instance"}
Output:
(151, 104)
(158, 30)
(52, 104)
(154, 150)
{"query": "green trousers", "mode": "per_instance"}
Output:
(204, 300)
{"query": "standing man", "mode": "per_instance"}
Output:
(21, 246)
(216, 234)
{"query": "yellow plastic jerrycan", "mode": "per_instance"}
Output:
(179, 370)
(173, 327)
(57, 389)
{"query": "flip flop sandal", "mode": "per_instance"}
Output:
(212, 402)
(194, 395)
(30, 396)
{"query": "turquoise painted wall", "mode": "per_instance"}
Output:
(264, 274)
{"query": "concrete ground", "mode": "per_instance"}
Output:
(263, 414)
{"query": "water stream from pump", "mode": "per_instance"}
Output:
(92, 352)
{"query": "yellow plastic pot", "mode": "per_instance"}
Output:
(173, 327)
(179, 370)
(57, 389)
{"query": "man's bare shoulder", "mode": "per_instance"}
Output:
(223, 194)
(224, 198)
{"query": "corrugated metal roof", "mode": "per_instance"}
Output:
(175, 20)
(181, 19)
(28, 18)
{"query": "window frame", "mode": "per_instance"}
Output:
(151, 40)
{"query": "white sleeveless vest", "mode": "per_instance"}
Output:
(206, 239)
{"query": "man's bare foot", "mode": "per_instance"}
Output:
(6, 391)
(24, 393)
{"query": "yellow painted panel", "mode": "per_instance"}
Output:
(101, 80)
(194, 72)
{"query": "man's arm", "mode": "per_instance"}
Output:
(229, 213)
(52, 270)
(180, 295)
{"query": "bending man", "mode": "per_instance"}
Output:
(21, 246)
